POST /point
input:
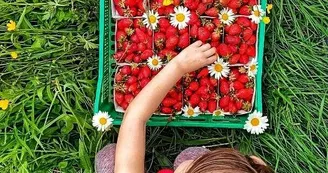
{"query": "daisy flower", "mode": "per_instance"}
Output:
(219, 69)
(218, 113)
(257, 14)
(227, 16)
(102, 121)
(188, 111)
(13, 55)
(4, 104)
(180, 17)
(11, 26)
(252, 68)
(256, 123)
(154, 62)
(150, 19)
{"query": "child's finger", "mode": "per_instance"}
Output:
(210, 52)
(205, 47)
(197, 43)
(212, 59)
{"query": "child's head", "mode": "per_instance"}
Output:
(224, 161)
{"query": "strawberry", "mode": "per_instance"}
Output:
(243, 78)
(118, 77)
(172, 41)
(234, 29)
(234, 4)
(245, 93)
(146, 54)
(191, 4)
(120, 36)
(204, 82)
(216, 35)
(137, 59)
(144, 82)
(128, 98)
(239, 105)
(234, 74)
(251, 40)
(212, 105)
(168, 102)
(131, 80)
(173, 93)
(171, 31)
(184, 40)
(126, 70)
(214, 44)
(224, 87)
(232, 108)
(213, 12)
(194, 31)
(169, 9)
(188, 92)
(130, 3)
(193, 86)
(223, 50)
(203, 34)
(180, 97)
(133, 87)
(234, 59)
(245, 1)
(233, 48)
(209, 26)
(233, 40)
(194, 100)
(163, 24)
(202, 106)
(140, 7)
(244, 59)
(214, 96)
(119, 3)
(237, 85)
(141, 35)
(201, 9)
(159, 39)
(134, 38)
(119, 10)
(183, 31)
(205, 97)
(135, 70)
(213, 82)
(194, 18)
(124, 105)
(119, 98)
(124, 23)
(252, 2)
(243, 48)
(203, 73)
(169, 54)
(145, 72)
(245, 10)
(176, 2)
(251, 51)
(243, 22)
(253, 26)
(217, 22)
(141, 47)
(207, 1)
(203, 90)
(166, 110)
(224, 101)
(119, 56)
(177, 106)
(138, 23)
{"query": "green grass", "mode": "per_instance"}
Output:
(51, 87)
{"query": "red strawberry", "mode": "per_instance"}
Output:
(201, 9)
(223, 50)
(169, 9)
(133, 87)
(124, 23)
(144, 82)
(131, 80)
(119, 56)
(234, 29)
(168, 102)
(202, 73)
(135, 70)
(194, 31)
(166, 110)
(239, 105)
(251, 51)
(227, 28)
(128, 98)
(217, 22)
(163, 23)
(193, 86)
(178, 106)
(203, 90)
(234, 4)
(233, 48)
(216, 35)
(137, 59)
(140, 7)
(214, 44)
(253, 26)
(224, 87)
(209, 26)
(252, 2)
(234, 59)
(244, 59)
(212, 106)
(237, 85)
(124, 105)
(145, 72)
(243, 48)
(176, 2)
(203, 34)
(204, 82)
(213, 82)
(202, 106)
(126, 70)
(188, 92)
(172, 41)
(232, 108)
(184, 41)
(251, 40)
(224, 101)
(243, 78)
(245, 1)
(183, 31)
(207, 1)
(243, 21)
(119, 98)
(171, 31)
(159, 39)
(233, 40)
(245, 10)
(244, 93)
(173, 93)
(213, 96)
(138, 23)
(194, 100)
(141, 47)
(119, 10)
(118, 77)
(146, 54)
(191, 4)
(141, 35)
(130, 3)
(120, 36)
(213, 12)
(205, 97)
(194, 18)
(134, 38)
(234, 74)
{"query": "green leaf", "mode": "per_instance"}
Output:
(21, 18)
(84, 157)
(62, 164)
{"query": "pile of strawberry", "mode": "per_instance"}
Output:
(239, 41)
(236, 91)
(130, 79)
(207, 30)
(201, 90)
(133, 41)
(129, 8)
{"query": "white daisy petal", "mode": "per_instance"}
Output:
(102, 121)
(180, 17)
(188, 111)
(154, 62)
(252, 68)
(219, 69)
(257, 14)
(227, 16)
(218, 113)
(150, 19)
(256, 123)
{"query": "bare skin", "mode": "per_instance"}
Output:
(130, 149)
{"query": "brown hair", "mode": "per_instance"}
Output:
(227, 160)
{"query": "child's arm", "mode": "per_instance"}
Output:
(130, 150)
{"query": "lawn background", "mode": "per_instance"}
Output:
(51, 86)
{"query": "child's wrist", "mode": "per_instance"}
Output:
(176, 66)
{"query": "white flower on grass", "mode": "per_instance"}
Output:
(188, 111)
(154, 62)
(257, 14)
(102, 121)
(252, 68)
(256, 123)
(219, 69)
(180, 17)
(150, 19)
(218, 113)
(227, 16)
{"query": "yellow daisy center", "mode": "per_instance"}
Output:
(255, 122)
(152, 19)
(257, 13)
(102, 121)
(155, 62)
(217, 113)
(218, 67)
(180, 17)
(252, 67)
(4, 104)
(190, 112)
(225, 16)
(14, 55)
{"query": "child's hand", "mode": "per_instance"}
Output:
(195, 57)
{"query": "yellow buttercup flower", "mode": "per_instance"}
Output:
(4, 104)
(269, 8)
(266, 20)
(11, 26)
(14, 55)
(167, 2)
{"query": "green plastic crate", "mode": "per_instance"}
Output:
(104, 97)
